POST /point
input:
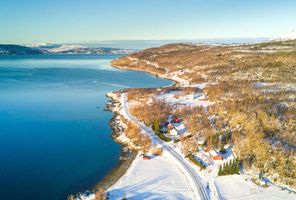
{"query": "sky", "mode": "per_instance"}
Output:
(35, 21)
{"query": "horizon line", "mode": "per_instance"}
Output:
(135, 40)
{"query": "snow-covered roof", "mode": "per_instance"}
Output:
(180, 127)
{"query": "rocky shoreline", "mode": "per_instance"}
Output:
(127, 154)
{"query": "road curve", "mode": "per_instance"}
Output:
(202, 193)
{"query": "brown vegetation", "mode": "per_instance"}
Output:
(260, 121)
(204, 63)
(138, 139)
(156, 110)
(157, 151)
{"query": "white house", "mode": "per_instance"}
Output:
(174, 132)
(180, 128)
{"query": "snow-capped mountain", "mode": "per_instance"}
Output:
(11, 49)
(66, 48)
(286, 36)
(81, 49)
(46, 48)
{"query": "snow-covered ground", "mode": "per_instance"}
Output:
(176, 98)
(236, 187)
(158, 178)
(164, 177)
(176, 76)
(167, 177)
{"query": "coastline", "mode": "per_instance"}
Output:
(116, 173)
(157, 75)
(128, 155)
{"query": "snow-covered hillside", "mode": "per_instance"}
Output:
(48, 48)
(286, 36)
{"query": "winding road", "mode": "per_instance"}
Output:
(199, 189)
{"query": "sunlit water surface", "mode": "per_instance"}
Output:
(54, 134)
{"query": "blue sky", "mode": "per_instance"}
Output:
(30, 21)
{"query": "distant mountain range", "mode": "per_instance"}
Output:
(286, 37)
(6, 49)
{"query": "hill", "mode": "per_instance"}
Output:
(18, 50)
(59, 49)
(252, 87)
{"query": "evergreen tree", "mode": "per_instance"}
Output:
(223, 169)
(229, 168)
(227, 138)
(222, 149)
(232, 167)
(226, 168)
(155, 126)
(237, 167)
(220, 171)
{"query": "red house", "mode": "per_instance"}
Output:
(203, 99)
(217, 157)
(146, 157)
(170, 126)
(176, 120)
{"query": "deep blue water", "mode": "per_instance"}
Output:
(54, 134)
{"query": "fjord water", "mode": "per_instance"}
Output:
(54, 134)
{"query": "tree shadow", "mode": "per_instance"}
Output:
(133, 192)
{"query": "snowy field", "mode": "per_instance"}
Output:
(179, 98)
(158, 178)
(236, 187)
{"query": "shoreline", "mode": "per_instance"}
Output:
(127, 155)
(175, 82)
(116, 173)
(125, 160)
